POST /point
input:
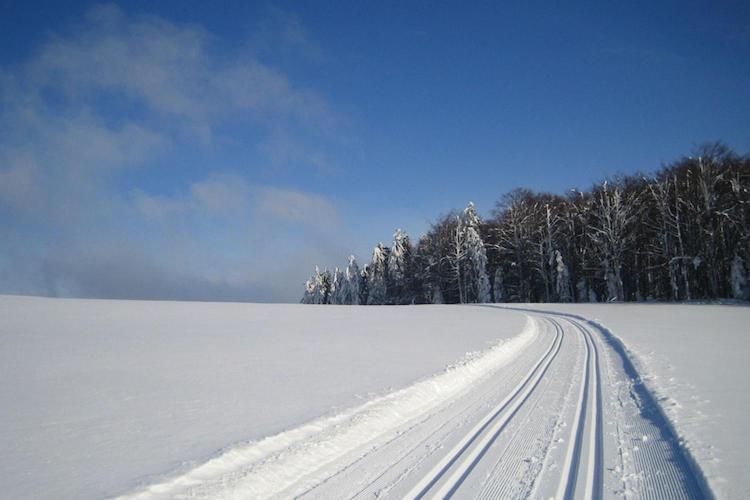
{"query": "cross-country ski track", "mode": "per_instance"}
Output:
(556, 412)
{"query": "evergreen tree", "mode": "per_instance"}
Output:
(322, 291)
(399, 267)
(352, 281)
(562, 279)
(337, 293)
(364, 285)
(378, 276)
(478, 283)
(309, 295)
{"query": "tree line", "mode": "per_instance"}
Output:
(679, 234)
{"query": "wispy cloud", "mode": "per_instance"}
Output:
(99, 107)
(297, 207)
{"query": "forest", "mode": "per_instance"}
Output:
(680, 234)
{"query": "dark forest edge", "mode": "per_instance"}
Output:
(679, 234)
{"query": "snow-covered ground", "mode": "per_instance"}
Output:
(694, 358)
(159, 399)
(97, 397)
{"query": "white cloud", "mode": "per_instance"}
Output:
(224, 195)
(297, 207)
(221, 194)
(159, 208)
(230, 195)
(96, 108)
(170, 69)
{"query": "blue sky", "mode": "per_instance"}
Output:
(196, 151)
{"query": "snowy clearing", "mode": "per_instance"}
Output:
(164, 400)
(100, 396)
(563, 418)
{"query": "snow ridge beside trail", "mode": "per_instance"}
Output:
(268, 466)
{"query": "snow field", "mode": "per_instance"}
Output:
(162, 400)
(269, 466)
(98, 397)
(563, 417)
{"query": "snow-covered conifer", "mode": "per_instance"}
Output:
(399, 260)
(378, 292)
(322, 291)
(478, 283)
(364, 285)
(337, 290)
(307, 298)
(562, 279)
(352, 280)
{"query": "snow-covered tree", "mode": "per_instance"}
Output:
(337, 290)
(399, 269)
(667, 227)
(377, 285)
(478, 283)
(352, 280)
(582, 289)
(585, 292)
(318, 288)
(683, 233)
(457, 258)
(364, 284)
(610, 230)
(309, 295)
(437, 296)
(498, 286)
(323, 283)
(562, 279)
(512, 228)
(738, 278)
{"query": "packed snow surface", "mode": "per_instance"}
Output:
(162, 400)
(100, 396)
(694, 359)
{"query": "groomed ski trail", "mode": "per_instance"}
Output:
(556, 412)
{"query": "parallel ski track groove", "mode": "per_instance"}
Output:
(483, 434)
(661, 468)
(654, 464)
(423, 441)
(594, 476)
(587, 430)
(374, 486)
(513, 463)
